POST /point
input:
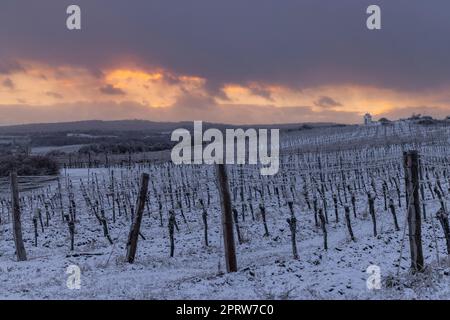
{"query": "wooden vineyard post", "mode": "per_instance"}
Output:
(35, 225)
(17, 226)
(227, 218)
(113, 196)
(61, 207)
(236, 224)
(205, 223)
(442, 216)
(371, 201)
(348, 222)
(324, 229)
(172, 224)
(292, 221)
(392, 207)
(136, 225)
(411, 165)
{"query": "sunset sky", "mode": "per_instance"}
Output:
(234, 61)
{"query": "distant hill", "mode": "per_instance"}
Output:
(136, 125)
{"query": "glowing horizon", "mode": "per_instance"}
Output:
(310, 62)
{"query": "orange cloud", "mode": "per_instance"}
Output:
(347, 98)
(41, 87)
(152, 88)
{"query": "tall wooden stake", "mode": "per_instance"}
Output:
(411, 165)
(134, 231)
(227, 218)
(17, 226)
(443, 219)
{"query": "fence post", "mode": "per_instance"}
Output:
(411, 165)
(134, 231)
(17, 226)
(227, 218)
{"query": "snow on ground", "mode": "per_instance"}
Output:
(266, 267)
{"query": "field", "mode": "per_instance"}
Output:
(340, 191)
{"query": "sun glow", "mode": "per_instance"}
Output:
(43, 85)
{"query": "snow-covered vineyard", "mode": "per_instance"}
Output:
(338, 206)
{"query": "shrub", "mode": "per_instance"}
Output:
(28, 165)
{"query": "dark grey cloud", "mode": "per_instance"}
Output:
(111, 90)
(8, 67)
(266, 94)
(407, 111)
(326, 102)
(54, 95)
(8, 83)
(297, 43)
